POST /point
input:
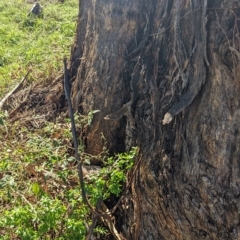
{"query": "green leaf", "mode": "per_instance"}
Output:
(1, 122)
(36, 188)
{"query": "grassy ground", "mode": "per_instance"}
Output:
(39, 192)
(37, 43)
(40, 196)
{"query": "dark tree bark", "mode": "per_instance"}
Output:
(165, 76)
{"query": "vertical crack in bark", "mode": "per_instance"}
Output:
(199, 75)
(204, 30)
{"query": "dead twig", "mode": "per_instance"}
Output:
(108, 221)
(13, 91)
(27, 94)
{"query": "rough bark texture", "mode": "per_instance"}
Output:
(164, 74)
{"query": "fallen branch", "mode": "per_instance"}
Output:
(13, 91)
(26, 95)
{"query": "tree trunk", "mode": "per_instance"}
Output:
(163, 74)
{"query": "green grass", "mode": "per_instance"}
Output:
(36, 43)
(39, 190)
(40, 195)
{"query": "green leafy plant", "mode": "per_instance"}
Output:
(112, 176)
(39, 188)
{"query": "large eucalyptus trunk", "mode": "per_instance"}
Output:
(165, 76)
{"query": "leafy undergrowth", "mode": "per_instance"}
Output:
(40, 196)
(39, 191)
(27, 42)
